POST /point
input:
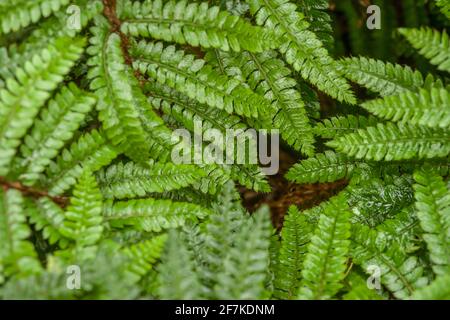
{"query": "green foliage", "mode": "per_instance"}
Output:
(433, 209)
(325, 261)
(196, 24)
(432, 44)
(88, 177)
(301, 47)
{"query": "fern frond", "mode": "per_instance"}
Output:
(337, 126)
(245, 263)
(127, 118)
(196, 24)
(131, 180)
(197, 80)
(439, 289)
(152, 215)
(21, 13)
(444, 6)
(48, 217)
(433, 209)
(268, 76)
(301, 47)
(390, 141)
(381, 77)
(425, 108)
(17, 254)
(295, 236)
(359, 289)
(177, 271)
(399, 272)
(143, 255)
(91, 152)
(25, 93)
(325, 261)
(315, 12)
(324, 167)
(83, 218)
(55, 126)
(432, 44)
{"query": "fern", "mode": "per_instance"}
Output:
(196, 24)
(338, 126)
(83, 219)
(394, 142)
(424, 108)
(22, 13)
(433, 203)
(133, 180)
(32, 84)
(324, 264)
(432, 44)
(17, 254)
(301, 47)
(295, 237)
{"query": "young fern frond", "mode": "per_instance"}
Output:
(132, 180)
(423, 107)
(27, 91)
(324, 167)
(15, 15)
(337, 126)
(151, 214)
(198, 81)
(390, 141)
(56, 125)
(196, 24)
(90, 152)
(432, 44)
(433, 209)
(295, 236)
(83, 218)
(301, 47)
(17, 254)
(325, 262)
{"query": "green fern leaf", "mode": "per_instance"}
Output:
(17, 254)
(337, 126)
(55, 126)
(295, 236)
(20, 14)
(432, 44)
(83, 218)
(394, 142)
(198, 81)
(433, 210)
(439, 289)
(381, 77)
(425, 108)
(91, 152)
(399, 272)
(132, 180)
(301, 47)
(152, 215)
(324, 167)
(195, 24)
(25, 94)
(325, 262)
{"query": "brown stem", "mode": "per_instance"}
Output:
(29, 191)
